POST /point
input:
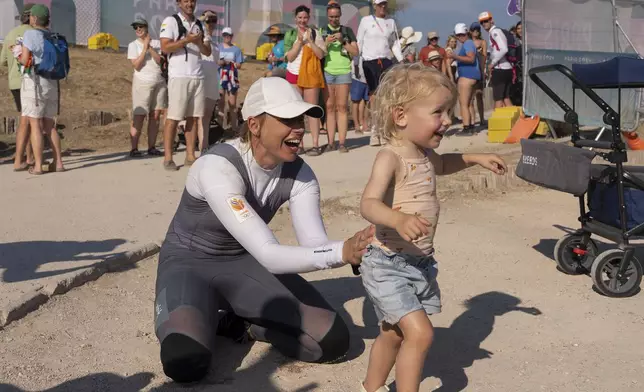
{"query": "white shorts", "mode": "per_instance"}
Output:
(38, 108)
(39, 97)
(148, 96)
(186, 98)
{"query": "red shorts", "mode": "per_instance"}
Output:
(292, 79)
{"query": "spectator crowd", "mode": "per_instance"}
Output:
(185, 80)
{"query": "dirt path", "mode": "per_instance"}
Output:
(510, 322)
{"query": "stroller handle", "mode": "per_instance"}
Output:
(610, 116)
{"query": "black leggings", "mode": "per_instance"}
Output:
(284, 310)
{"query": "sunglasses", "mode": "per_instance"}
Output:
(136, 27)
(486, 21)
(333, 5)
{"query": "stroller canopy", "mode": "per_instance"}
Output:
(620, 71)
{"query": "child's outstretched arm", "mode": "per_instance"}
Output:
(445, 164)
(372, 207)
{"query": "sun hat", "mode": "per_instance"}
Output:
(409, 36)
(274, 30)
(227, 30)
(433, 55)
(39, 11)
(484, 16)
(139, 22)
(432, 35)
(460, 28)
(278, 98)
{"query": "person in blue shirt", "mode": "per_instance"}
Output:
(469, 74)
(230, 61)
(276, 59)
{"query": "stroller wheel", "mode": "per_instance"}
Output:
(572, 257)
(609, 282)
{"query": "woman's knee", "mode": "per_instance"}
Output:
(184, 359)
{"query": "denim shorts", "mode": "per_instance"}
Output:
(337, 79)
(359, 91)
(399, 284)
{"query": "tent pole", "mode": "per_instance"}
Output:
(615, 27)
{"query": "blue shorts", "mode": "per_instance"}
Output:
(337, 79)
(359, 91)
(399, 284)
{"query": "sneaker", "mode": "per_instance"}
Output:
(467, 131)
(381, 389)
(170, 166)
(233, 327)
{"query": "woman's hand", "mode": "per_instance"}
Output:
(355, 246)
(331, 39)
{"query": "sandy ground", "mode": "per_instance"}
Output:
(511, 321)
(107, 204)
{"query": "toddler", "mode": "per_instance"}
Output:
(411, 111)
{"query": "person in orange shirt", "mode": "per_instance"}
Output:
(432, 45)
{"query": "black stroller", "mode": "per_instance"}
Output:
(613, 192)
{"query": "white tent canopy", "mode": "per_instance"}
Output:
(580, 31)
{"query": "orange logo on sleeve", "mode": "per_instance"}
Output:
(237, 204)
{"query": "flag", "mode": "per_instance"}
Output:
(514, 7)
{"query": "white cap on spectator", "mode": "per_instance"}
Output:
(460, 28)
(227, 30)
(379, 1)
(278, 98)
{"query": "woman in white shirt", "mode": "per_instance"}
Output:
(149, 89)
(210, 66)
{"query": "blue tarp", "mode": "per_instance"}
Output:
(618, 72)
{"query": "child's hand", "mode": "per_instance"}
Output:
(411, 227)
(492, 162)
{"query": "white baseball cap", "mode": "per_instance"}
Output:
(376, 2)
(460, 28)
(278, 98)
(227, 30)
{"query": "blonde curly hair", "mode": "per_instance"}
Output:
(401, 85)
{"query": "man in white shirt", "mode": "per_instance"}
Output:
(184, 44)
(499, 68)
(149, 90)
(376, 37)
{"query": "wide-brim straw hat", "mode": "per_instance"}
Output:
(409, 36)
(274, 30)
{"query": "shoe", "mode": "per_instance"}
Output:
(381, 389)
(170, 166)
(467, 131)
(374, 140)
(343, 148)
(154, 152)
(233, 327)
(135, 153)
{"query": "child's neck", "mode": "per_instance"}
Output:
(407, 149)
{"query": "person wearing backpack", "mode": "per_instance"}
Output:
(46, 60)
(499, 69)
(182, 42)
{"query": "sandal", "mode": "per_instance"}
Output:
(23, 167)
(343, 148)
(314, 152)
(33, 171)
(135, 153)
(52, 168)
